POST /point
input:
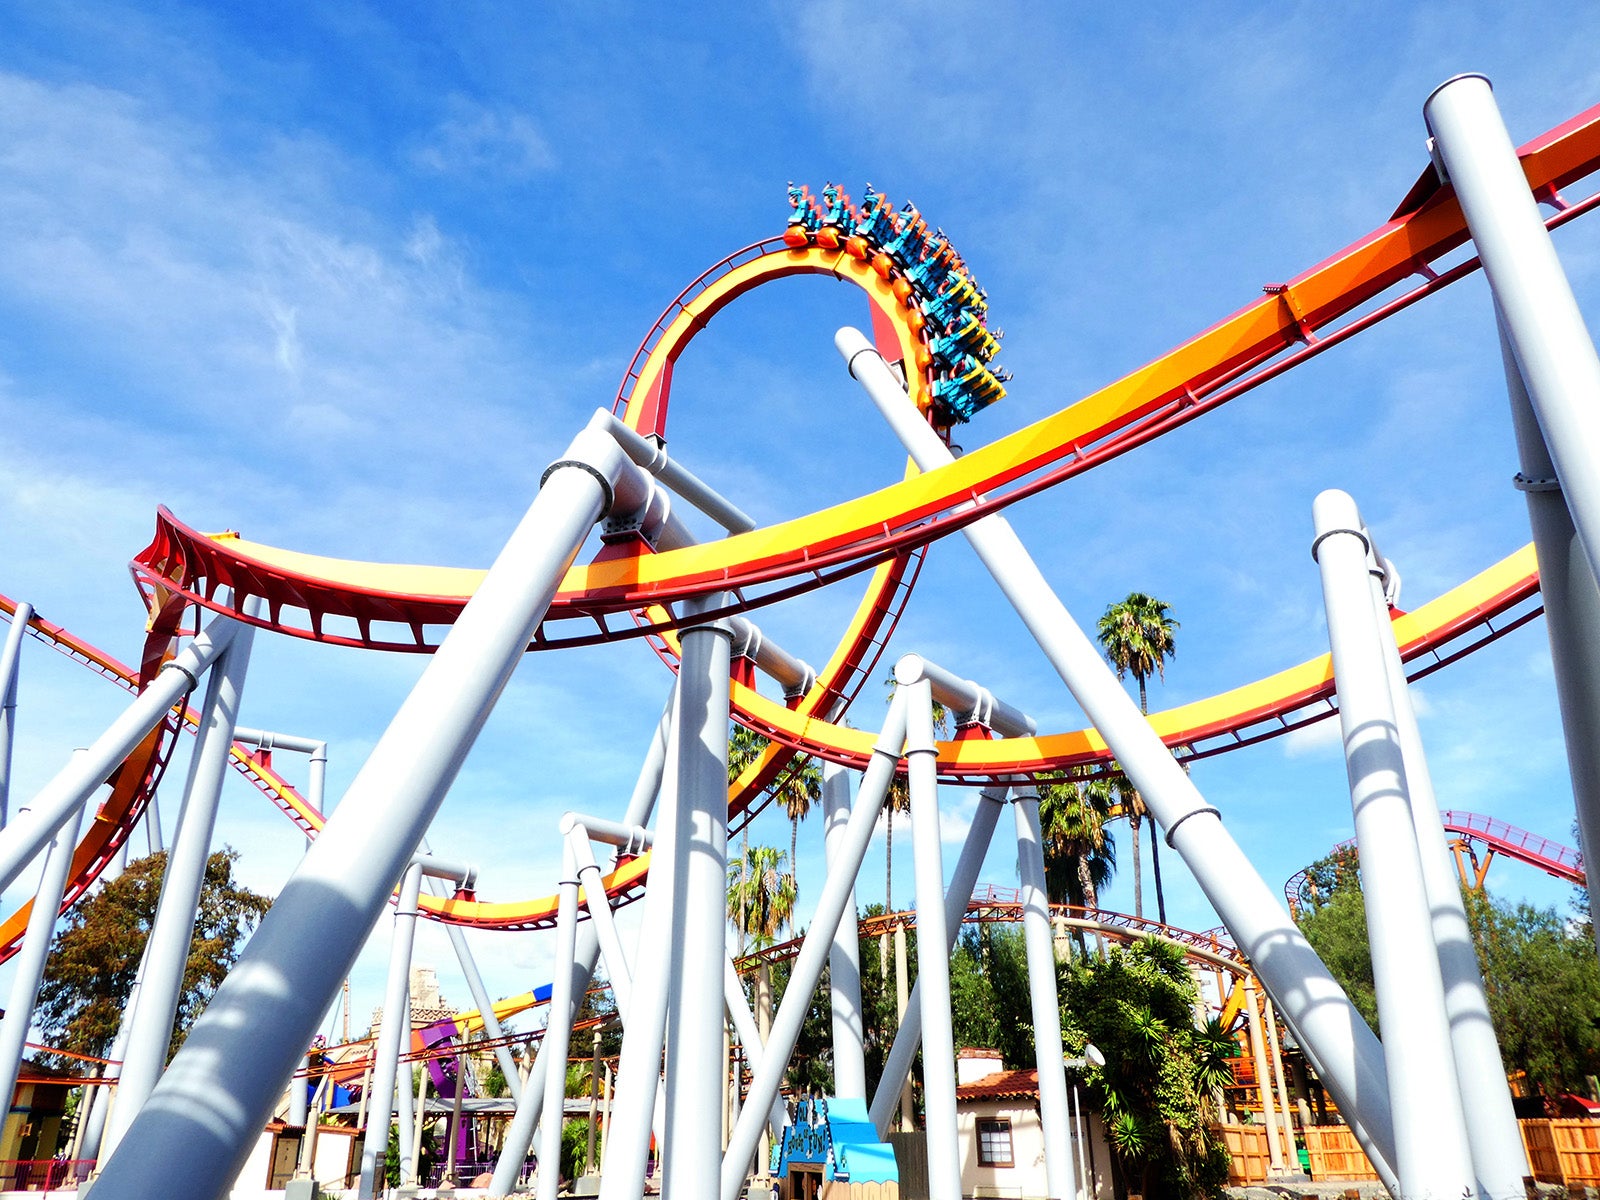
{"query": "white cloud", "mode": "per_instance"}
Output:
(1316, 740)
(495, 142)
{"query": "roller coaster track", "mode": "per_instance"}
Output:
(407, 608)
(1499, 837)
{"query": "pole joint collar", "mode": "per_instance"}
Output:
(1328, 533)
(1204, 809)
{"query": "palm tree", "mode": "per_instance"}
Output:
(1137, 636)
(762, 894)
(760, 889)
(796, 789)
(1079, 855)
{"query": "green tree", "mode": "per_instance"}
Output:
(1137, 1006)
(1540, 973)
(95, 956)
(1079, 855)
(797, 788)
(1137, 634)
(990, 1005)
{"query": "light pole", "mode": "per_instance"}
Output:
(1091, 1057)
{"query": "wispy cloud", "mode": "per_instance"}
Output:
(474, 139)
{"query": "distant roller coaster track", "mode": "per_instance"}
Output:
(1499, 837)
(407, 608)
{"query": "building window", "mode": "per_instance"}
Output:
(994, 1143)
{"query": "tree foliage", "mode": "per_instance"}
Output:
(1138, 635)
(796, 789)
(1079, 855)
(95, 956)
(1540, 973)
(1137, 1007)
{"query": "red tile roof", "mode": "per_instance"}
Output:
(1002, 1085)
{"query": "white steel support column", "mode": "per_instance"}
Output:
(903, 1051)
(755, 1050)
(1045, 1002)
(95, 1120)
(217, 1093)
(21, 841)
(1572, 613)
(933, 941)
(1432, 1154)
(603, 923)
(1498, 1157)
(626, 1154)
(808, 963)
(10, 663)
(391, 1037)
(519, 1137)
(1547, 332)
(173, 927)
(35, 949)
(692, 1155)
(1345, 1052)
(625, 1158)
(404, 1102)
(844, 959)
(558, 1026)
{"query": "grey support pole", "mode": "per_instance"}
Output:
(814, 948)
(558, 1026)
(627, 1148)
(10, 662)
(844, 959)
(181, 885)
(693, 1151)
(404, 1101)
(755, 1050)
(1541, 317)
(933, 941)
(105, 1094)
(1346, 1054)
(1046, 1004)
(1498, 1158)
(626, 1155)
(22, 840)
(519, 1137)
(385, 1056)
(219, 1090)
(1432, 1154)
(1572, 614)
(903, 1051)
(30, 960)
(152, 825)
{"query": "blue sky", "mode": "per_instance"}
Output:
(346, 278)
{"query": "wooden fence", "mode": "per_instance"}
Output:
(1335, 1154)
(834, 1190)
(1565, 1151)
(1248, 1160)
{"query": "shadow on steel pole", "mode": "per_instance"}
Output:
(1345, 1052)
(201, 1121)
